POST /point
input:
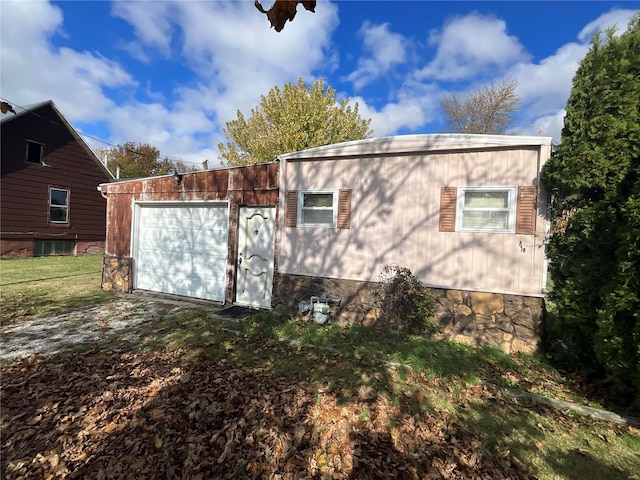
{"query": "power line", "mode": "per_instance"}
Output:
(128, 150)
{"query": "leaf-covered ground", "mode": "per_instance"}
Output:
(151, 415)
(145, 416)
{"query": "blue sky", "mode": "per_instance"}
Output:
(172, 73)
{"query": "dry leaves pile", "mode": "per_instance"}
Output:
(127, 415)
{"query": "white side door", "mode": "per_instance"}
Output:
(254, 274)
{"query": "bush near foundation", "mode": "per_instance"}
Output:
(405, 302)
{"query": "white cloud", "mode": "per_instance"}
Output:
(234, 52)
(384, 49)
(469, 46)
(33, 70)
(152, 25)
(414, 106)
(547, 126)
(614, 18)
(228, 57)
(545, 86)
(234, 56)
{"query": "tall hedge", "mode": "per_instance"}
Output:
(594, 179)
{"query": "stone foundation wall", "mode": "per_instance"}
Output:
(510, 322)
(356, 304)
(116, 274)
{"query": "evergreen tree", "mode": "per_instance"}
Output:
(289, 120)
(594, 178)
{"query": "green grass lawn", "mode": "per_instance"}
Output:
(40, 286)
(419, 400)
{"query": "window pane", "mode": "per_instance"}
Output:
(59, 197)
(318, 200)
(324, 217)
(491, 199)
(34, 152)
(58, 214)
(485, 220)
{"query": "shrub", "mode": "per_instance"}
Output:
(405, 302)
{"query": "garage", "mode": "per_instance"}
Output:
(181, 248)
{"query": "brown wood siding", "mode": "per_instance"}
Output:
(291, 218)
(25, 187)
(448, 199)
(344, 209)
(526, 210)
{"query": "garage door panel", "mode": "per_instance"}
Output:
(182, 249)
(163, 262)
(177, 252)
(176, 237)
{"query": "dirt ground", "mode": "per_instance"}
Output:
(48, 335)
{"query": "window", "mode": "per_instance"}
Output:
(489, 209)
(53, 247)
(486, 209)
(317, 209)
(34, 152)
(328, 208)
(58, 205)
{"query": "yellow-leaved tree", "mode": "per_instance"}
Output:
(292, 119)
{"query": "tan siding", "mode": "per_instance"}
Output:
(396, 217)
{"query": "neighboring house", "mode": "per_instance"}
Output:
(463, 212)
(49, 202)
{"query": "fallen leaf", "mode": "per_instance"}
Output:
(109, 427)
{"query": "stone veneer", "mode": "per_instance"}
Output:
(510, 322)
(116, 274)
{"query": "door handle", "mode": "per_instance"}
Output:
(240, 261)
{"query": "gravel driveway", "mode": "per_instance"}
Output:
(55, 333)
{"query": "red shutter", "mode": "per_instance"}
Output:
(526, 211)
(448, 200)
(344, 208)
(291, 219)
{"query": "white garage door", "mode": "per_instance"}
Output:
(182, 249)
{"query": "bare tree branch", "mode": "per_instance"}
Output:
(487, 110)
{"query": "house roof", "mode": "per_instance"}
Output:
(31, 110)
(5, 117)
(415, 144)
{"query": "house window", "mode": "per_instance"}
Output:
(53, 247)
(318, 208)
(34, 152)
(58, 205)
(486, 209)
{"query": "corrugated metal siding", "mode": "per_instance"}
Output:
(395, 219)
